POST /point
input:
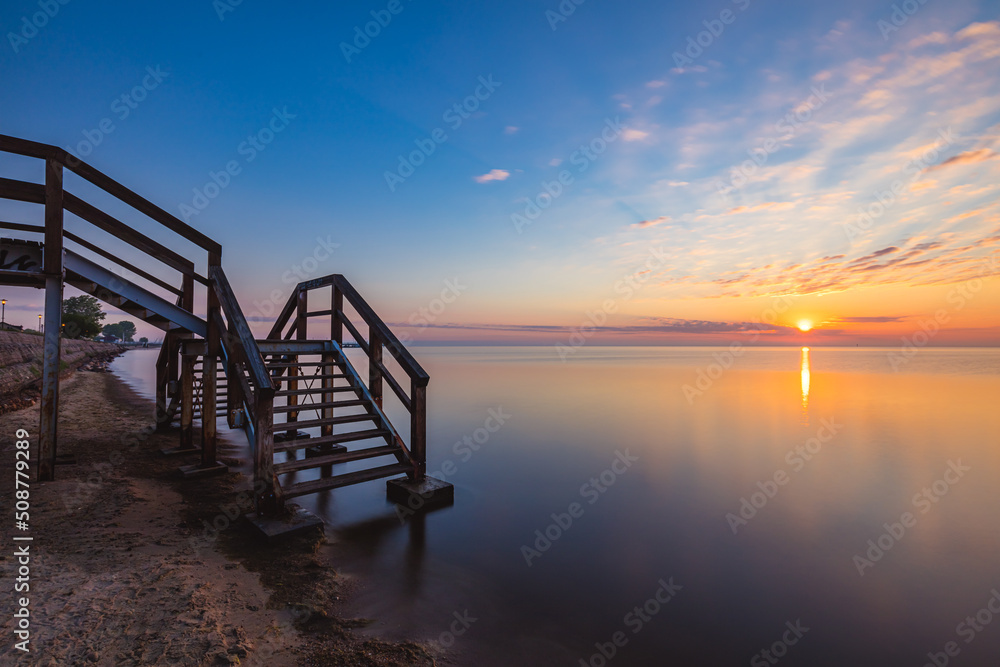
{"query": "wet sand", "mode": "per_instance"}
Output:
(132, 565)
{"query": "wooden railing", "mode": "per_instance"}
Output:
(379, 338)
(248, 385)
(56, 201)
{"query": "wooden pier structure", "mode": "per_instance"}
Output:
(210, 366)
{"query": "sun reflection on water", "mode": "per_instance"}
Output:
(805, 385)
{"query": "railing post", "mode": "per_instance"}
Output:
(173, 343)
(375, 365)
(263, 468)
(209, 381)
(301, 332)
(301, 315)
(162, 364)
(336, 324)
(187, 401)
(53, 266)
(328, 396)
(187, 298)
(174, 370)
(337, 336)
(234, 397)
(418, 427)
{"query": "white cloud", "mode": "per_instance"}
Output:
(634, 135)
(493, 175)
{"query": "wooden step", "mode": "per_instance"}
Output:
(311, 390)
(332, 459)
(325, 376)
(337, 439)
(335, 404)
(317, 406)
(293, 364)
(344, 419)
(324, 483)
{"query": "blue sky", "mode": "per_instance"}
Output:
(869, 99)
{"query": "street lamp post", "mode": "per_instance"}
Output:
(41, 327)
(3, 314)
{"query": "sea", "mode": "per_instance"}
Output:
(688, 506)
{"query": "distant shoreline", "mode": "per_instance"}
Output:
(21, 364)
(788, 346)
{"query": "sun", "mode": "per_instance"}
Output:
(805, 325)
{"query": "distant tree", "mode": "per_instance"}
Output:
(123, 330)
(143, 340)
(81, 317)
(128, 329)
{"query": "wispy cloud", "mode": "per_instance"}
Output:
(844, 159)
(634, 135)
(769, 205)
(651, 223)
(968, 157)
(875, 319)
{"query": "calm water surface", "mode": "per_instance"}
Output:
(756, 491)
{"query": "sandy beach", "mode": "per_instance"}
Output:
(132, 565)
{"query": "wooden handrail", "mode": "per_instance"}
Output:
(21, 227)
(27, 148)
(33, 193)
(395, 347)
(285, 314)
(396, 388)
(233, 354)
(120, 230)
(142, 205)
(355, 334)
(121, 262)
(80, 168)
(384, 335)
(237, 321)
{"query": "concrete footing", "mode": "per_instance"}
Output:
(324, 450)
(198, 470)
(294, 521)
(420, 495)
(178, 451)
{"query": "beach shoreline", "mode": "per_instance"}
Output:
(134, 565)
(21, 365)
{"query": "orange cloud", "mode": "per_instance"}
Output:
(773, 205)
(968, 157)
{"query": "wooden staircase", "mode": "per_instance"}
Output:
(291, 392)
